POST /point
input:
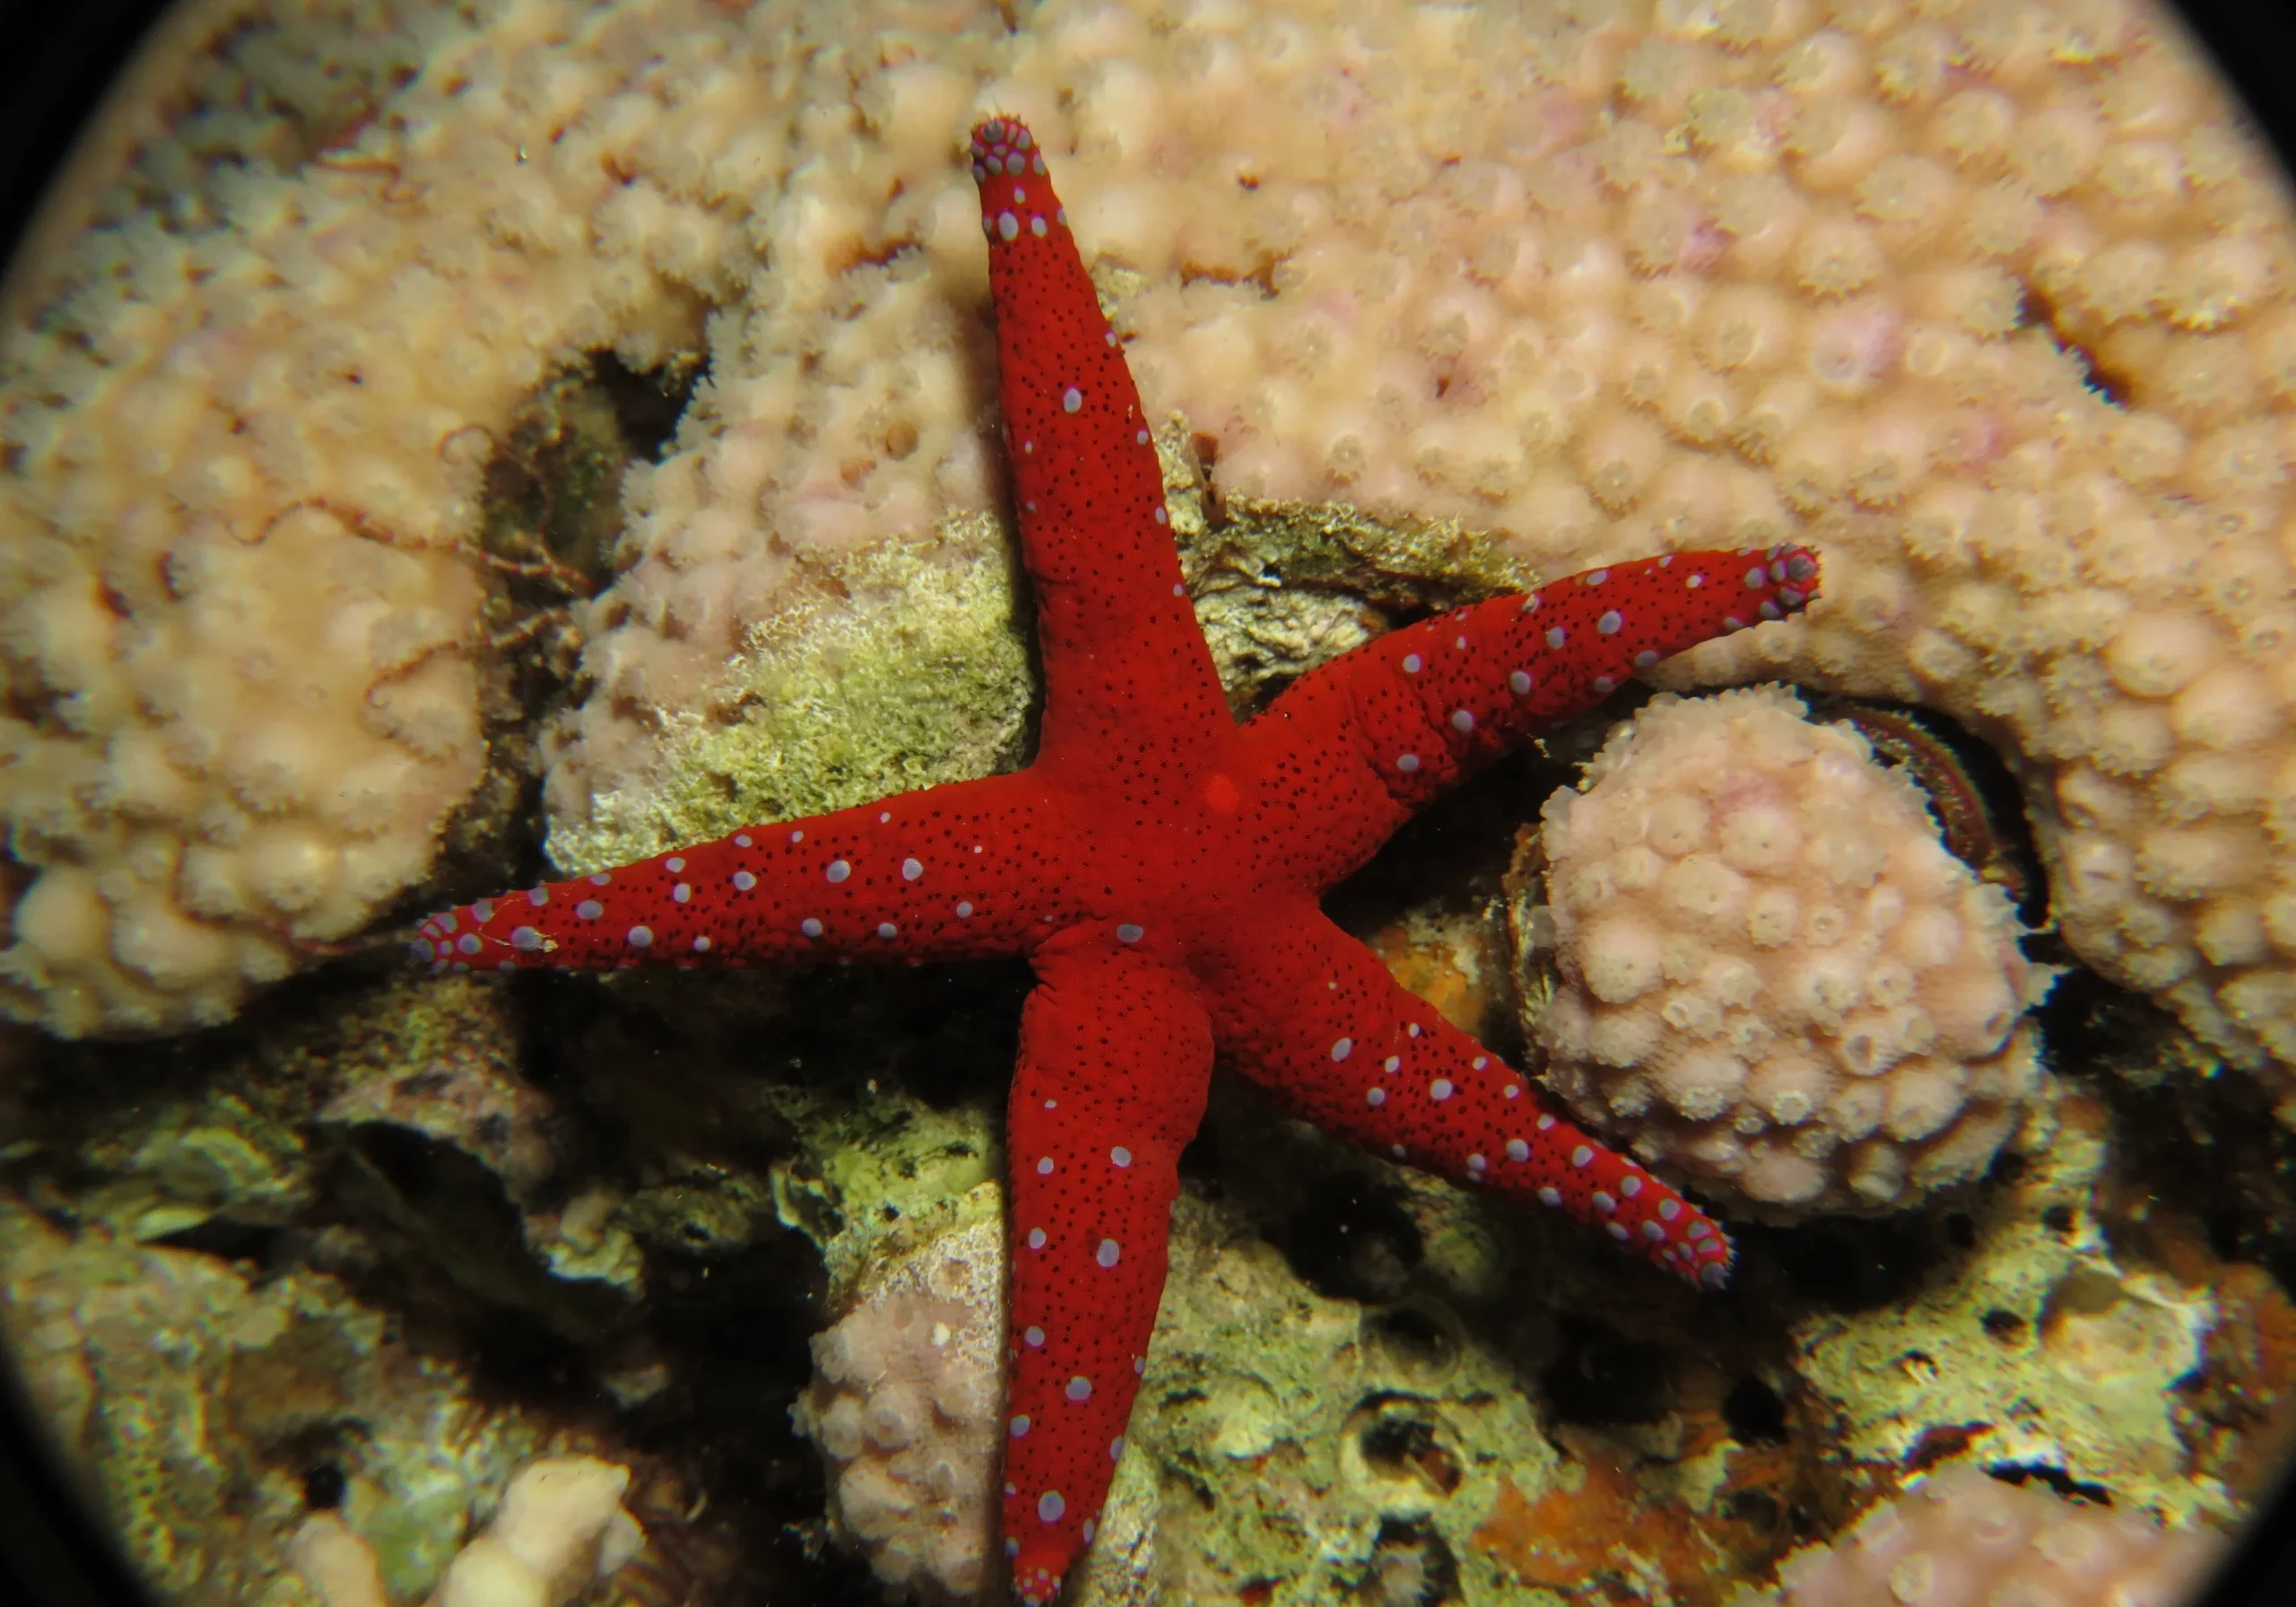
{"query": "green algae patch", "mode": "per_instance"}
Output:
(878, 1174)
(894, 668)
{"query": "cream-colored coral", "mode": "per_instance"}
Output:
(1600, 276)
(247, 421)
(904, 1408)
(559, 1530)
(1960, 1539)
(1774, 979)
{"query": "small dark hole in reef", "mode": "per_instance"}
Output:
(2035, 307)
(1351, 1238)
(2006, 1327)
(2059, 1218)
(1413, 1336)
(1599, 1376)
(647, 403)
(2056, 1477)
(1754, 1412)
(323, 1486)
(1412, 1566)
(1961, 1229)
(226, 1240)
(406, 1161)
(1854, 1264)
(1404, 1446)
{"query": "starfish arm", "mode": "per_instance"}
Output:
(1115, 1051)
(1312, 1015)
(1379, 730)
(1129, 682)
(948, 873)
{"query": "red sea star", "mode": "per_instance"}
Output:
(1160, 866)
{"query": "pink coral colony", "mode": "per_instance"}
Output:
(1159, 865)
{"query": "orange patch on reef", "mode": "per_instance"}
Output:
(1615, 1541)
(1606, 1542)
(1432, 970)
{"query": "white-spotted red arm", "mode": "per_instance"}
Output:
(951, 873)
(1116, 1055)
(1305, 1009)
(1128, 682)
(1385, 727)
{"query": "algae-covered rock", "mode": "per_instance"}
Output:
(892, 668)
(447, 1142)
(193, 1399)
(2041, 1348)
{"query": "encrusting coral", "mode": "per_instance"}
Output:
(903, 1405)
(1987, 300)
(1773, 977)
(559, 1530)
(1960, 1539)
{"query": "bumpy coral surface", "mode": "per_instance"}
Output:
(248, 422)
(1963, 1540)
(559, 1530)
(904, 1406)
(1772, 975)
(1988, 298)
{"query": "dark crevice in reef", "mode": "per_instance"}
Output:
(1856, 1264)
(1599, 1376)
(1351, 1237)
(550, 520)
(2036, 309)
(1412, 1566)
(2192, 1142)
(1754, 1412)
(2053, 1478)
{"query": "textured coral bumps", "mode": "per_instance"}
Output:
(904, 1407)
(1960, 1539)
(247, 418)
(559, 1530)
(1775, 980)
(1990, 297)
